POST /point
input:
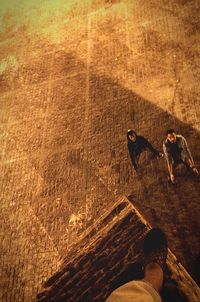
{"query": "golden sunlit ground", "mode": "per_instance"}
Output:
(74, 76)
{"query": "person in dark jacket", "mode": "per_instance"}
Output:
(136, 145)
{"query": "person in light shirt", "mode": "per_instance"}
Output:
(177, 152)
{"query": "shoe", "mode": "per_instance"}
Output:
(155, 248)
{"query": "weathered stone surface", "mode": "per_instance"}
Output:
(97, 263)
(74, 76)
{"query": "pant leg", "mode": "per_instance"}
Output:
(137, 291)
(186, 162)
(176, 161)
(135, 159)
(182, 160)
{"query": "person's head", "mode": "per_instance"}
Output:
(131, 135)
(171, 135)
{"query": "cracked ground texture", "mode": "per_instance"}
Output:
(73, 78)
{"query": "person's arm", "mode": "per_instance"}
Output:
(169, 161)
(150, 147)
(132, 156)
(185, 145)
(187, 150)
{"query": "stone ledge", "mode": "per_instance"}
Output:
(94, 265)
